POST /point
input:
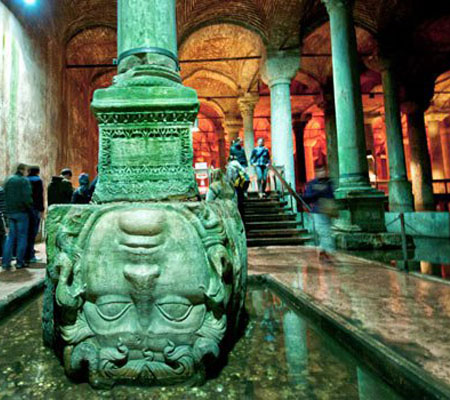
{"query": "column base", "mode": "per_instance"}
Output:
(361, 210)
(370, 241)
(400, 196)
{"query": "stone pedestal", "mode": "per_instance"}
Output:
(147, 286)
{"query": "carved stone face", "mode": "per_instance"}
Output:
(145, 292)
(146, 276)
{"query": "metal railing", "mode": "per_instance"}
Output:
(296, 202)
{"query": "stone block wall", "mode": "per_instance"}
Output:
(30, 91)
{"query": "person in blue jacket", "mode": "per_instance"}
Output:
(260, 159)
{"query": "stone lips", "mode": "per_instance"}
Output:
(147, 294)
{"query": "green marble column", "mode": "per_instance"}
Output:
(349, 111)
(278, 71)
(421, 175)
(400, 189)
(247, 106)
(362, 205)
(147, 285)
(145, 118)
(329, 115)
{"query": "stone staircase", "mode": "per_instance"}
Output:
(268, 222)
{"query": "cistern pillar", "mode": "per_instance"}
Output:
(363, 205)
(278, 70)
(247, 104)
(400, 189)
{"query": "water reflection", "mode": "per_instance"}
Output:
(281, 356)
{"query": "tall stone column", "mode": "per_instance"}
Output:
(436, 151)
(247, 106)
(329, 114)
(421, 176)
(222, 149)
(146, 284)
(353, 169)
(364, 205)
(400, 189)
(278, 69)
(299, 123)
(445, 141)
(232, 125)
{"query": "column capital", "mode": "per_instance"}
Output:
(280, 67)
(247, 104)
(331, 5)
(232, 124)
(435, 117)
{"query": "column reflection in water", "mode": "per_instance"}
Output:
(296, 347)
(372, 388)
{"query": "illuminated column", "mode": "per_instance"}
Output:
(232, 126)
(400, 190)
(222, 147)
(445, 141)
(436, 151)
(278, 70)
(420, 158)
(247, 106)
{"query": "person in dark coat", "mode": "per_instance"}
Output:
(238, 152)
(37, 192)
(2, 219)
(82, 194)
(60, 190)
(319, 193)
(18, 202)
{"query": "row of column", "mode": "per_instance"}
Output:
(344, 121)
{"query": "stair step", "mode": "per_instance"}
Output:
(269, 217)
(276, 241)
(272, 225)
(274, 233)
(264, 203)
(272, 210)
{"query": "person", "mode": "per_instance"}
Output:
(237, 176)
(93, 185)
(238, 152)
(220, 188)
(260, 159)
(2, 219)
(37, 194)
(319, 193)
(82, 195)
(18, 202)
(60, 190)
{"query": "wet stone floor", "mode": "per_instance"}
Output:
(281, 356)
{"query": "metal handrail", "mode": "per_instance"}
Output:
(291, 191)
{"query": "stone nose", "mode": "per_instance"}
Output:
(141, 222)
(142, 277)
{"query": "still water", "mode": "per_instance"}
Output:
(281, 356)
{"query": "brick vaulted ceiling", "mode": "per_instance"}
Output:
(417, 29)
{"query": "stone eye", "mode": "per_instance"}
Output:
(175, 311)
(112, 311)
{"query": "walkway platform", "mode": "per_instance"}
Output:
(403, 320)
(18, 286)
